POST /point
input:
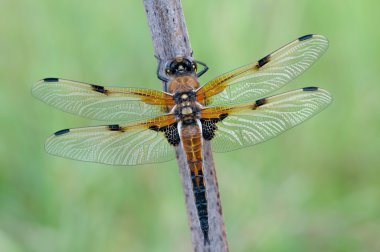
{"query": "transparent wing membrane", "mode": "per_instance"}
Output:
(249, 124)
(102, 103)
(129, 144)
(257, 80)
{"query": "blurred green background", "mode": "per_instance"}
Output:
(315, 188)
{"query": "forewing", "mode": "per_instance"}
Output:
(102, 103)
(129, 144)
(265, 76)
(249, 124)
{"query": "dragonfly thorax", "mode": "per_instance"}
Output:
(187, 109)
(183, 83)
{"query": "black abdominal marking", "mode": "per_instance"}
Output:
(199, 190)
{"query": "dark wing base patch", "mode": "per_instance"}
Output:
(209, 126)
(170, 131)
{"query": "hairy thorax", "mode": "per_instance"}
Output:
(187, 110)
(183, 83)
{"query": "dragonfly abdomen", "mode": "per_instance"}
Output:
(199, 190)
(191, 138)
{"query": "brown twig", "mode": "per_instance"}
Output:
(170, 38)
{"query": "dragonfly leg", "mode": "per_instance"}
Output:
(159, 75)
(204, 70)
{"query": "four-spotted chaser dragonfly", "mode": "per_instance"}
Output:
(229, 111)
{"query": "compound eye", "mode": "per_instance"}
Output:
(168, 71)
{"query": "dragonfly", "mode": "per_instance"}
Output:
(232, 111)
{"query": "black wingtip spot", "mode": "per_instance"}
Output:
(305, 37)
(115, 127)
(99, 89)
(61, 132)
(310, 89)
(263, 61)
(51, 80)
(260, 102)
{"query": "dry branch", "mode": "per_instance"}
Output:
(170, 38)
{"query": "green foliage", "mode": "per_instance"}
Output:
(314, 188)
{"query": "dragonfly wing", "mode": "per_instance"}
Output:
(102, 103)
(257, 80)
(234, 127)
(129, 144)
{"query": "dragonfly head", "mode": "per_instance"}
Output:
(180, 66)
